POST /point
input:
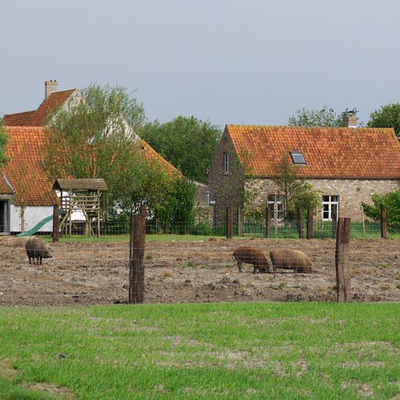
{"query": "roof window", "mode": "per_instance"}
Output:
(297, 157)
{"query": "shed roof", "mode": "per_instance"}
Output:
(80, 185)
(332, 153)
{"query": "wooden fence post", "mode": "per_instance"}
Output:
(229, 223)
(334, 222)
(310, 233)
(268, 220)
(136, 255)
(300, 222)
(56, 223)
(383, 222)
(342, 263)
(239, 222)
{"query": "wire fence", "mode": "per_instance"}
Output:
(119, 231)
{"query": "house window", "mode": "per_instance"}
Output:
(297, 157)
(226, 163)
(330, 207)
(276, 201)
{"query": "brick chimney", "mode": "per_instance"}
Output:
(350, 118)
(49, 88)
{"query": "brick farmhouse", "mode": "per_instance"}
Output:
(346, 165)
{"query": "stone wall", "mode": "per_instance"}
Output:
(225, 188)
(203, 211)
(351, 192)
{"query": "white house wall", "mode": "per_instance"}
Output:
(32, 216)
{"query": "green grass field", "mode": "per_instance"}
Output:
(196, 351)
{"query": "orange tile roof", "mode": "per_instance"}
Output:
(56, 99)
(345, 153)
(151, 155)
(19, 119)
(38, 117)
(4, 187)
(24, 169)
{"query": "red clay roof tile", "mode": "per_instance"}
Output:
(56, 99)
(151, 155)
(344, 153)
(38, 117)
(25, 170)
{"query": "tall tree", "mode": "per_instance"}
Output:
(323, 117)
(387, 116)
(95, 138)
(186, 142)
(3, 143)
(177, 210)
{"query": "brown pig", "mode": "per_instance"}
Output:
(250, 255)
(290, 259)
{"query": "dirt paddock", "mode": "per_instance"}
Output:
(177, 272)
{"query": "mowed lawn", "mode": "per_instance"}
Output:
(195, 351)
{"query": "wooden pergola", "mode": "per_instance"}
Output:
(80, 195)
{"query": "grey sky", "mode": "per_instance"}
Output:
(229, 61)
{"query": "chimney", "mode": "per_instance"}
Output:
(49, 88)
(350, 118)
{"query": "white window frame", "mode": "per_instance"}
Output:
(225, 167)
(278, 206)
(329, 202)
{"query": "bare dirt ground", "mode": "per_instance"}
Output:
(177, 272)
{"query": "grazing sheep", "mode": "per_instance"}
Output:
(250, 255)
(36, 249)
(290, 259)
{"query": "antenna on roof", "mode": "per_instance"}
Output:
(353, 111)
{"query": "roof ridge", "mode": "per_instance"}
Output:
(307, 127)
(19, 113)
(63, 91)
(23, 127)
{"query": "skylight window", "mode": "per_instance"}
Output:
(297, 157)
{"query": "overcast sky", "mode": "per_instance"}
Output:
(228, 61)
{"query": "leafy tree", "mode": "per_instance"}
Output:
(387, 116)
(323, 117)
(392, 203)
(176, 212)
(296, 191)
(95, 138)
(186, 142)
(3, 143)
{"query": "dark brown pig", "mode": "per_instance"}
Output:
(36, 249)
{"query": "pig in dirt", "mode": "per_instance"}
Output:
(250, 255)
(36, 249)
(290, 259)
